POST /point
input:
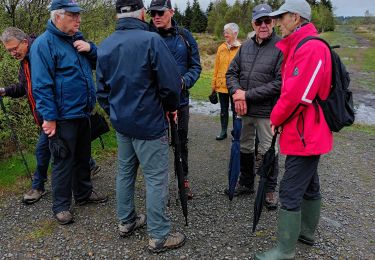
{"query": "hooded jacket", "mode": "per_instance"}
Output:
(306, 73)
(23, 87)
(189, 66)
(224, 56)
(61, 77)
(137, 80)
(256, 70)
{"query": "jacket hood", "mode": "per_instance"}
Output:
(54, 30)
(130, 23)
(289, 42)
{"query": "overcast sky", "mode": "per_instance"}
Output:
(341, 7)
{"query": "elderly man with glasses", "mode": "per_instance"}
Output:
(64, 92)
(185, 51)
(254, 81)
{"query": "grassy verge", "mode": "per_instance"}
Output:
(202, 88)
(13, 172)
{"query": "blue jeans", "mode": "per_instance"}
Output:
(152, 156)
(43, 156)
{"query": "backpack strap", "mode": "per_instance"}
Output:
(181, 31)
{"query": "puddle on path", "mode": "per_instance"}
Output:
(365, 109)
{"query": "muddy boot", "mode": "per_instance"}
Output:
(310, 214)
(288, 230)
(224, 127)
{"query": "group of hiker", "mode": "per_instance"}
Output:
(143, 75)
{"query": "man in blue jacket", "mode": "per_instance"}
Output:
(138, 83)
(64, 92)
(185, 51)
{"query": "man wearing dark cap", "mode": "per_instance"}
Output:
(138, 83)
(184, 49)
(254, 81)
(307, 73)
(64, 92)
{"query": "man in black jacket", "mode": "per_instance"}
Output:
(18, 44)
(185, 51)
(254, 81)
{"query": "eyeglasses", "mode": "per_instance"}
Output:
(14, 49)
(259, 22)
(153, 13)
(75, 16)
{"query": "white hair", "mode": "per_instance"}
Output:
(135, 14)
(54, 13)
(233, 27)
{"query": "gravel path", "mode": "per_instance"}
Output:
(217, 229)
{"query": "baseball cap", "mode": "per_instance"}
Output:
(261, 11)
(160, 5)
(126, 6)
(67, 5)
(300, 7)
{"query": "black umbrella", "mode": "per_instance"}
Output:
(234, 162)
(15, 138)
(265, 169)
(178, 167)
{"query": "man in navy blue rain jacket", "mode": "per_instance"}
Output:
(65, 95)
(137, 84)
(185, 51)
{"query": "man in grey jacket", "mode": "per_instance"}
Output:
(254, 82)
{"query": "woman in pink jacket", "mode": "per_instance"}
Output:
(306, 73)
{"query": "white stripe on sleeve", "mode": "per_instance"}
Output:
(311, 82)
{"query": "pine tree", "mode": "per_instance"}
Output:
(198, 18)
(187, 16)
(178, 17)
(327, 3)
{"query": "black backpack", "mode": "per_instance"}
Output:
(338, 108)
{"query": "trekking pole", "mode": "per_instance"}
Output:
(15, 138)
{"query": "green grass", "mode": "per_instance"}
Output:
(202, 88)
(13, 169)
(369, 59)
(339, 38)
(368, 129)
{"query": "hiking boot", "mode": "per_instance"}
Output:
(128, 229)
(221, 136)
(188, 190)
(271, 200)
(240, 190)
(33, 196)
(95, 170)
(64, 217)
(94, 197)
(172, 241)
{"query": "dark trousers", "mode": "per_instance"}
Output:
(300, 181)
(72, 173)
(224, 99)
(183, 129)
(43, 155)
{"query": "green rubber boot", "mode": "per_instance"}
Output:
(288, 231)
(310, 214)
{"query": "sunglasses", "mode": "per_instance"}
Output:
(259, 22)
(159, 13)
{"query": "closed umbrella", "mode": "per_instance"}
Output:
(234, 162)
(264, 171)
(178, 167)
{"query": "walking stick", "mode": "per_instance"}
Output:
(15, 138)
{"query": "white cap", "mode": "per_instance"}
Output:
(300, 7)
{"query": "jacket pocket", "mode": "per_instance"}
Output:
(300, 125)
